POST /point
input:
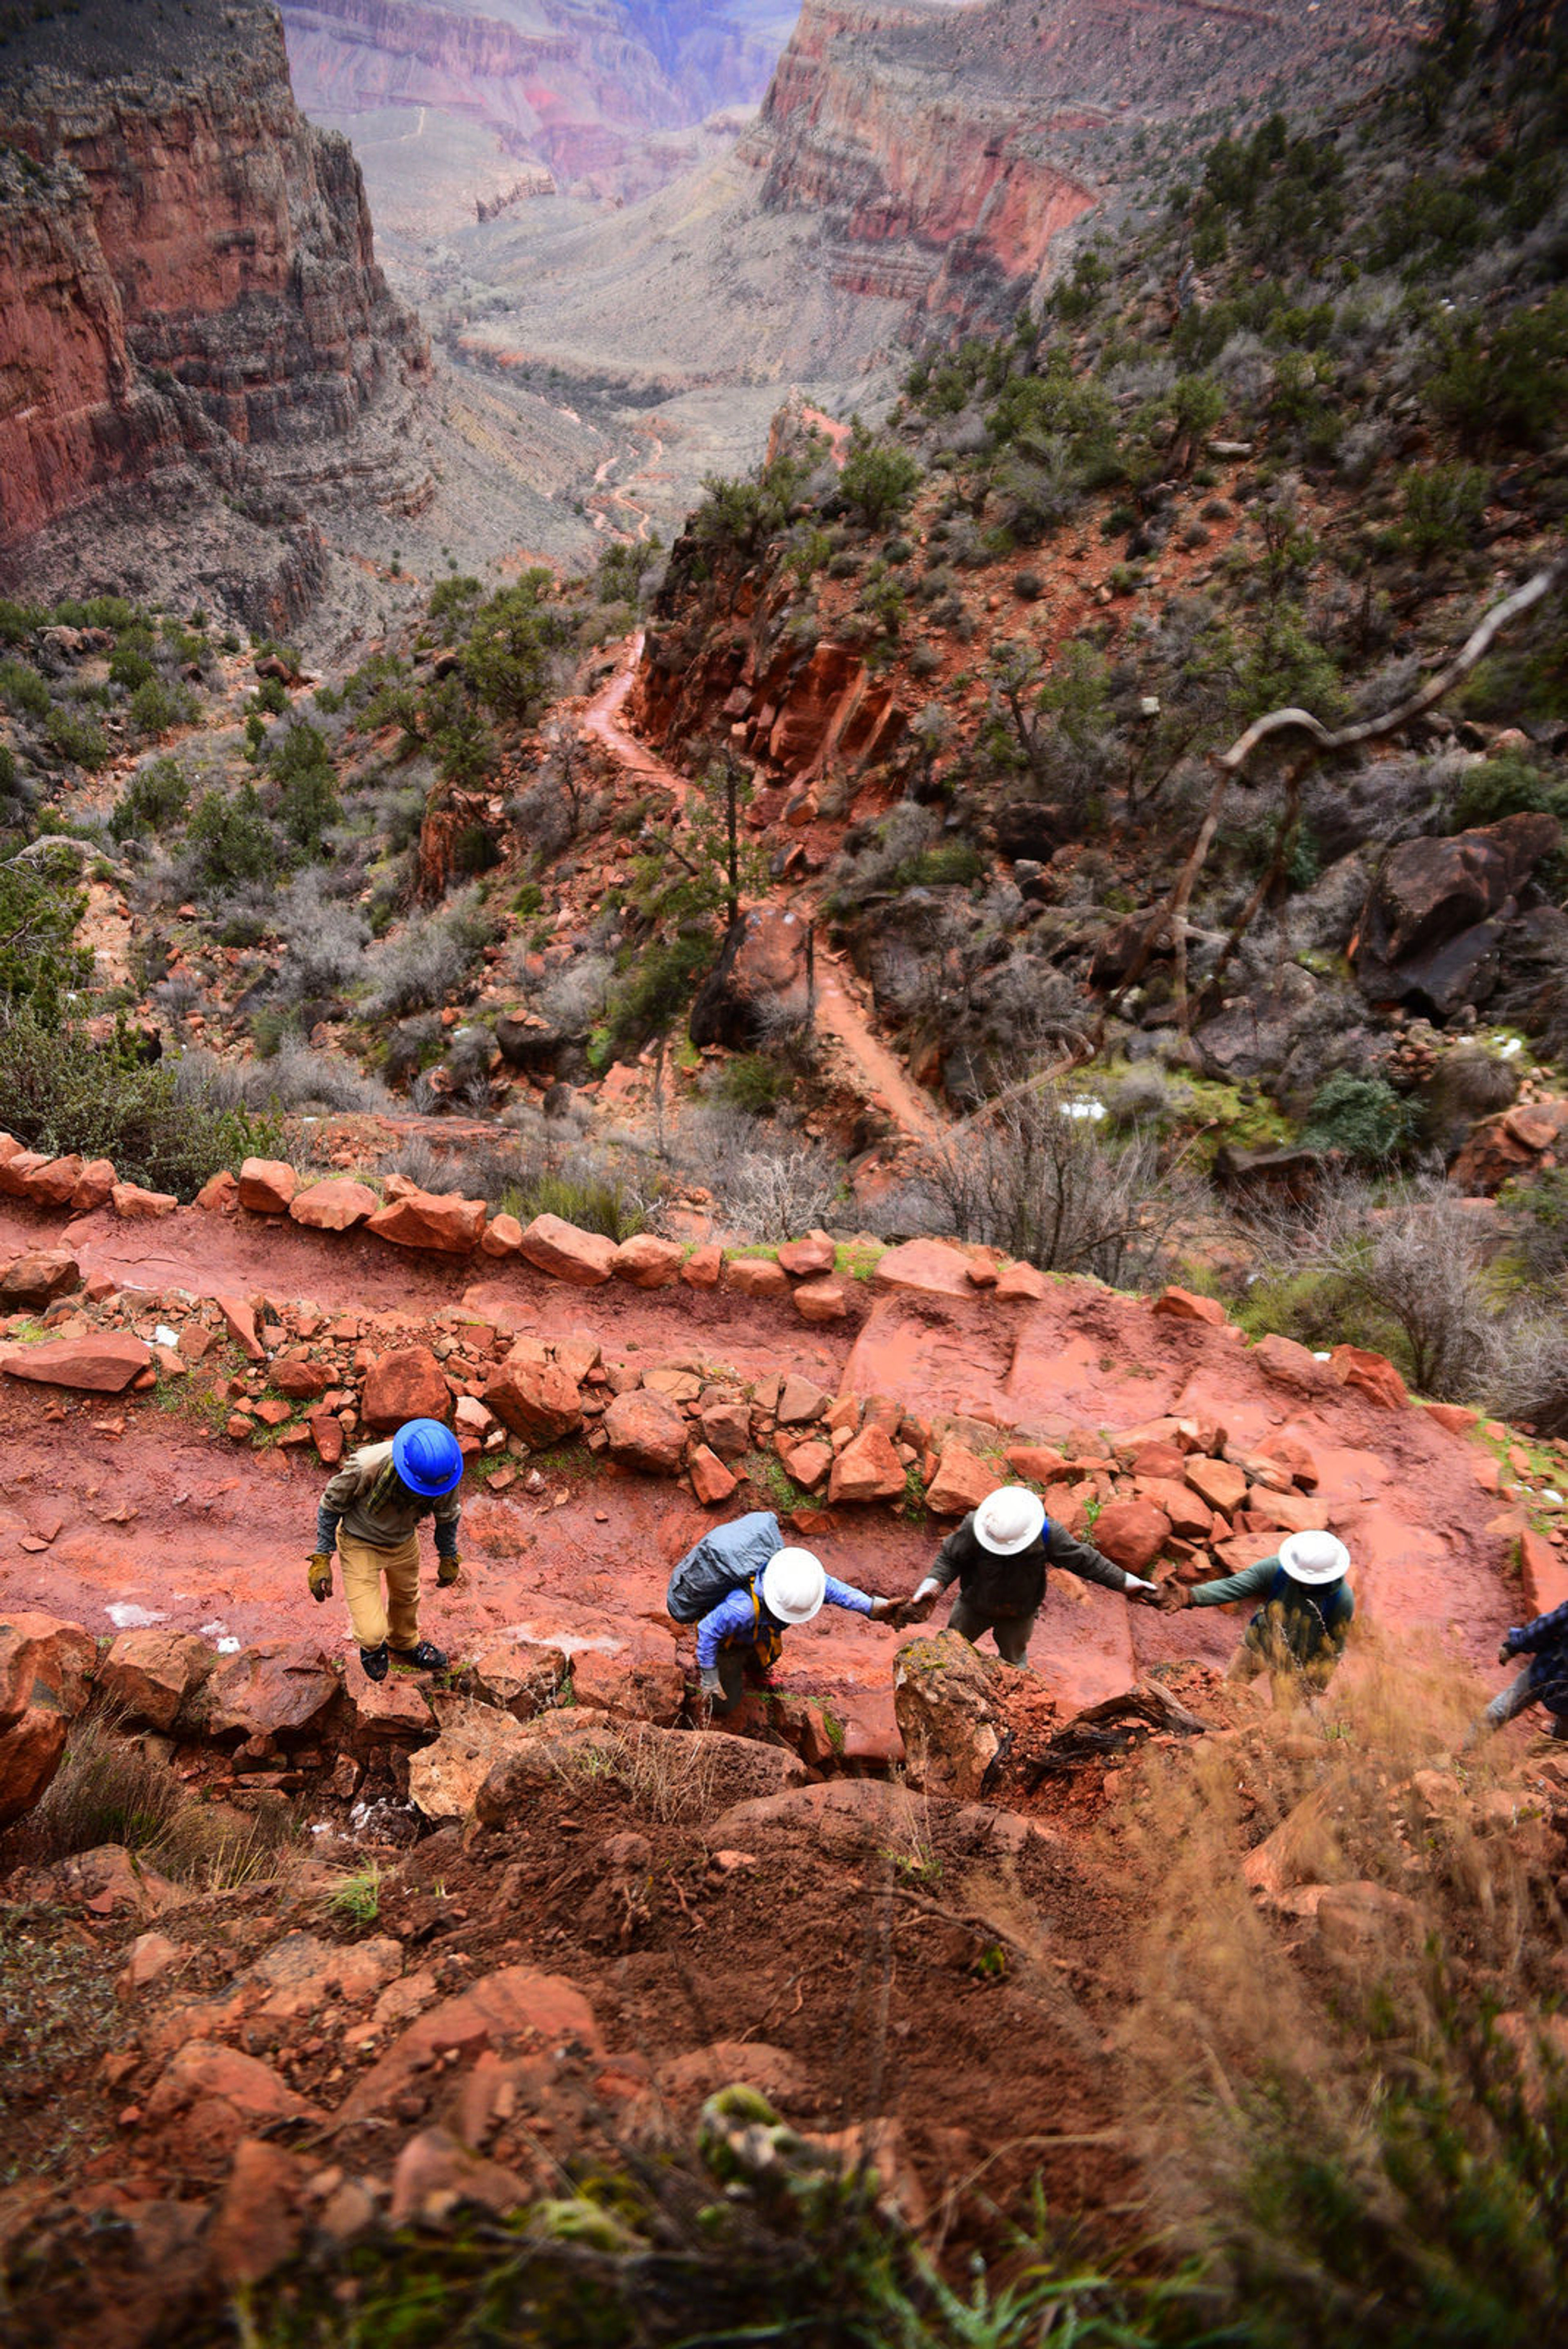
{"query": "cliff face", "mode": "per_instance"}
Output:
(186, 266)
(947, 147)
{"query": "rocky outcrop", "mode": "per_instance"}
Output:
(1433, 932)
(187, 277)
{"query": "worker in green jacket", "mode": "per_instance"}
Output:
(1299, 1631)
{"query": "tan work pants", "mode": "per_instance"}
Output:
(397, 1616)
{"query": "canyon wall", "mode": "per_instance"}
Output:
(186, 268)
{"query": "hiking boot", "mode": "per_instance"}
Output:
(375, 1661)
(423, 1659)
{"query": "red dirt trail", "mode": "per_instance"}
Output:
(217, 1533)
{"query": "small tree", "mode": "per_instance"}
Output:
(878, 480)
(40, 906)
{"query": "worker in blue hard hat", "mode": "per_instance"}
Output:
(371, 1513)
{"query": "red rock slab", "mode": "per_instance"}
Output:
(646, 1262)
(961, 1483)
(95, 1187)
(503, 1238)
(806, 1258)
(818, 1301)
(517, 2010)
(647, 1431)
(1220, 1482)
(1190, 1516)
(1544, 1573)
(929, 1267)
(258, 2224)
(132, 1205)
(538, 1401)
(1290, 1365)
(405, 1385)
(867, 1469)
(41, 1655)
(332, 1206)
(17, 1168)
(221, 2096)
(584, 1259)
(441, 1221)
(1019, 1283)
(1131, 1534)
(1370, 1374)
(54, 1184)
(276, 1687)
(1037, 1464)
(292, 1375)
(1285, 1513)
(220, 1195)
(703, 1265)
(711, 1481)
(38, 1280)
(1457, 1418)
(267, 1185)
(103, 1363)
(1183, 1305)
(326, 1434)
(150, 1675)
(757, 1276)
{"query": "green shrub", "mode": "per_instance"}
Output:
(1506, 391)
(508, 660)
(41, 902)
(1363, 1117)
(952, 863)
(1442, 509)
(231, 839)
(23, 691)
(658, 987)
(1495, 788)
(878, 480)
(19, 621)
(755, 1083)
(156, 709)
(63, 1092)
(307, 784)
(77, 739)
(130, 665)
(157, 796)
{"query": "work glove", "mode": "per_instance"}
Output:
(1505, 1654)
(710, 1692)
(447, 1571)
(1141, 1593)
(1171, 1598)
(886, 1610)
(319, 1575)
(918, 1606)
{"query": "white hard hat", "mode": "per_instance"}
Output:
(794, 1586)
(1315, 1557)
(1009, 1520)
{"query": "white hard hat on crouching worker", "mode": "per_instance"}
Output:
(1009, 1520)
(794, 1586)
(1315, 1557)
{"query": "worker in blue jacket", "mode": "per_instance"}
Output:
(1305, 1610)
(745, 1630)
(1543, 1681)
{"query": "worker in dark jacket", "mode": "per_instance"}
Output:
(999, 1558)
(1305, 1613)
(1544, 1681)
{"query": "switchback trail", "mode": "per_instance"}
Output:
(838, 1008)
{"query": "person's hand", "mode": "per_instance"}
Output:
(319, 1575)
(886, 1610)
(447, 1571)
(710, 1693)
(1141, 1593)
(919, 1609)
(1172, 1598)
(1505, 1654)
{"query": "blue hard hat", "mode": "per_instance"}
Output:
(428, 1457)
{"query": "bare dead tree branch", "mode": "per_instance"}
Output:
(1170, 914)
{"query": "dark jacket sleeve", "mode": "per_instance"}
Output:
(1078, 1558)
(959, 1549)
(1546, 1632)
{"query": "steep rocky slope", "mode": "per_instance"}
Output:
(191, 302)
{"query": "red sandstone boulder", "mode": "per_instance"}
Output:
(538, 1401)
(212, 2097)
(806, 1258)
(54, 1184)
(278, 1689)
(150, 1675)
(301, 1380)
(961, 1483)
(503, 1238)
(1290, 1365)
(1131, 1534)
(760, 974)
(703, 1265)
(102, 1363)
(1544, 1574)
(441, 1222)
(514, 2012)
(45, 1667)
(1182, 1304)
(867, 1469)
(727, 1428)
(326, 1434)
(37, 1279)
(646, 1688)
(1298, 1460)
(647, 1431)
(819, 1302)
(1019, 1283)
(220, 1195)
(95, 1187)
(1369, 1374)
(240, 1321)
(1222, 1484)
(583, 1259)
(132, 1205)
(1284, 1513)
(405, 1385)
(931, 1267)
(755, 1275)
(1187, 1514)
(334, 1206)
(1457, 1418)
(267, 1185)
(807, 1462)
(16, 1168)
(1036, 1464)
(710, 1480)
(648, 1263)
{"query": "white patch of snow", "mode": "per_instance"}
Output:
(127, 1618)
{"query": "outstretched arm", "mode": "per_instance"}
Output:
(1529, 1638)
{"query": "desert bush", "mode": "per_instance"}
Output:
(1529, 1383)
(1363, 1117)
(64, 1092)
(432, 957)
(878, 480)
(1026, 1174)
(231, 840)
(156, 798)
(41, 903)
(77, 739)
(157, 708)
(1442, 509)
(291, 1077)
